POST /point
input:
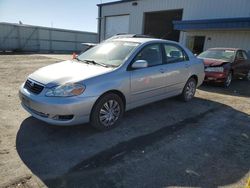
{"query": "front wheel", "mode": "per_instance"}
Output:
(107, 112)
(189, 90)
(228, 80)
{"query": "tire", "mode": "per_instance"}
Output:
(107, 112)
(228, 80)
(248, 76)
(189, 90)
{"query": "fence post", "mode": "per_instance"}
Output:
(50, 40)
(38, 40)
(76, 42)
(19, 38)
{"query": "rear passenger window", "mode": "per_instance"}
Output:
(174, 54)
(152, 54)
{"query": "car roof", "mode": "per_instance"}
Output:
(142, 40)
(136, 38)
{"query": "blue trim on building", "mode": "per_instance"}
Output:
(213, 24)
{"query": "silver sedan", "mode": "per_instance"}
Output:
(115, 76)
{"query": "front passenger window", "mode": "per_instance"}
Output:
(151, 54)
(241, 55)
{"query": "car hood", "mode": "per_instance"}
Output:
(213, 62)
(66, 72)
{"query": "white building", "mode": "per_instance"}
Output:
(198, 24)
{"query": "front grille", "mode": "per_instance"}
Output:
(33, 87)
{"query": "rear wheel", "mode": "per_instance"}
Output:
(228, 80)
(107, 112)
(189, 90)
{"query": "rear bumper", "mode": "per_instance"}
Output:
(219, 77)
(55, 110)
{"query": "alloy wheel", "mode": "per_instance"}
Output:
(190, 90)
(109, 113)
(229, 79)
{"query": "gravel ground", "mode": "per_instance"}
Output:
(203, 143)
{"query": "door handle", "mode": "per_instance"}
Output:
(162, 71)
(187, 65)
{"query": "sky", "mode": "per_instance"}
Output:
(67, 14)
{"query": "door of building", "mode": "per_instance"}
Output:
(199, 42)
(115, 25)
(196, 44)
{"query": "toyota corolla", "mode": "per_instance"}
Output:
(115, 76)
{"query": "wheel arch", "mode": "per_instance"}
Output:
(114, 91)
(195, 77)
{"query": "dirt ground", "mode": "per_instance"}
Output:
(203, 143)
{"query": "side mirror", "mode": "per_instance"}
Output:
(139, 64)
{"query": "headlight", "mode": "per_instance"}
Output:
(214, 69)
(66, 90)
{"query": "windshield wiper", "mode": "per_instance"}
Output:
(81, 60)
(95, 63)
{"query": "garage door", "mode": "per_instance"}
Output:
(116, 24)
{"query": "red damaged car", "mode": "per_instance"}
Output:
(224, 64)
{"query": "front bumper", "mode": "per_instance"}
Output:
(218, 77)
(57, 110)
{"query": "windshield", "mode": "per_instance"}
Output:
(226, 55)
(112, 53)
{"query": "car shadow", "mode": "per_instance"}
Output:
(237, 88)
(57, 155)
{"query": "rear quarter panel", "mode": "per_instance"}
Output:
(197, 66)
(197, 69)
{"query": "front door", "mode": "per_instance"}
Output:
(147, 83)
(241, 64)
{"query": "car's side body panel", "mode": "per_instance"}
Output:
(146, 83)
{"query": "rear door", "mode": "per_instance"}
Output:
(177, 67)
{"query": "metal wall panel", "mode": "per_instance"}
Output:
(230, 39)
(192, 10)
(15, 37)
(116, 24)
